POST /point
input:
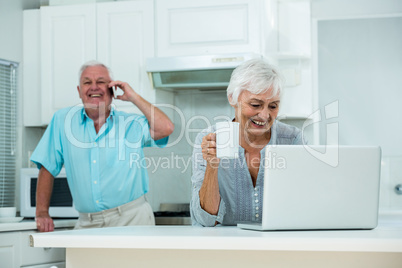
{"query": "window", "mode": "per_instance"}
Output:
(8, 131)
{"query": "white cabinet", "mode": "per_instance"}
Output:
(9, 248)
(123, 34)
(15, 251)
(294, 58)
(119, 34)
(31, 68)
(68, 39)
(294, 27)
(278, 30)
(214, 27)
(125, 38)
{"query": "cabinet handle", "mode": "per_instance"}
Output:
(31, 241)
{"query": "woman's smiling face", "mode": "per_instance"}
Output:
(256, 113)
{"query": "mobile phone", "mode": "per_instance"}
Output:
(112, 92)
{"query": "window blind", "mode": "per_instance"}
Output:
(8, 131)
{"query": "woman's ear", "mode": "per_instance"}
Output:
(230, 98)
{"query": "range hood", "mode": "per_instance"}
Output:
(206, 72)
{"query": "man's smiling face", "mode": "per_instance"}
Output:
(93, 90)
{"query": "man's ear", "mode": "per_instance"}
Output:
(78, 89)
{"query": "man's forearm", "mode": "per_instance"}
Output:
(43, 192)
(160, 125)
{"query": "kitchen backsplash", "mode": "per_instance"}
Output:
(194, 111)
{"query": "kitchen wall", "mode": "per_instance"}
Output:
(11, 49)
(325, 9)
(358, 67)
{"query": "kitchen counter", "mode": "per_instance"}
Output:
(224, 238)
(30, 224)
(120, 246)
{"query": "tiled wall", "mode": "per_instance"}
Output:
(195, 110)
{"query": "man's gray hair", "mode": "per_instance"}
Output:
(256, 76)
(92, 63)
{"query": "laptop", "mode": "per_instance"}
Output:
(320, 188)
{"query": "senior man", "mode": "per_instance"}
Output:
(94, 142)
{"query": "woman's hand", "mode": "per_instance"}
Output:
(209, 192)
(208, 146)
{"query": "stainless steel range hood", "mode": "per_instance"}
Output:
(206, 72)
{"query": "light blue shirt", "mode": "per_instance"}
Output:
(240, 200)
(105, 169)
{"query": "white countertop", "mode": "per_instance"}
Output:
(31, 225)
(385, 238)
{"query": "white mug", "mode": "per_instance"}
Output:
(227, 140)
(8, 212)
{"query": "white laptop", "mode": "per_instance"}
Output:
(320, 187)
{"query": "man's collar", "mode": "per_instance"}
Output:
(84, 114)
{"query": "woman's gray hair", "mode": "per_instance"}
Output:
(256, 76)
(92, 63)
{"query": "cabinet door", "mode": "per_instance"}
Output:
(68, 40)
(125, 40)
(294, 58)
(208, 27)
(294, 27)
(9, 249)
(31, 68)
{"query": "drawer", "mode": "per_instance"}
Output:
(31, 256)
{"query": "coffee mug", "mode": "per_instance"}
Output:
(227, 140)
(8, 212)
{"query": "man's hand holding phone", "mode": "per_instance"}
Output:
(128, 93)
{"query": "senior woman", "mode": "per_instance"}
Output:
(228, 191)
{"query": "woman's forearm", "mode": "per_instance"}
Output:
(209, 192)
